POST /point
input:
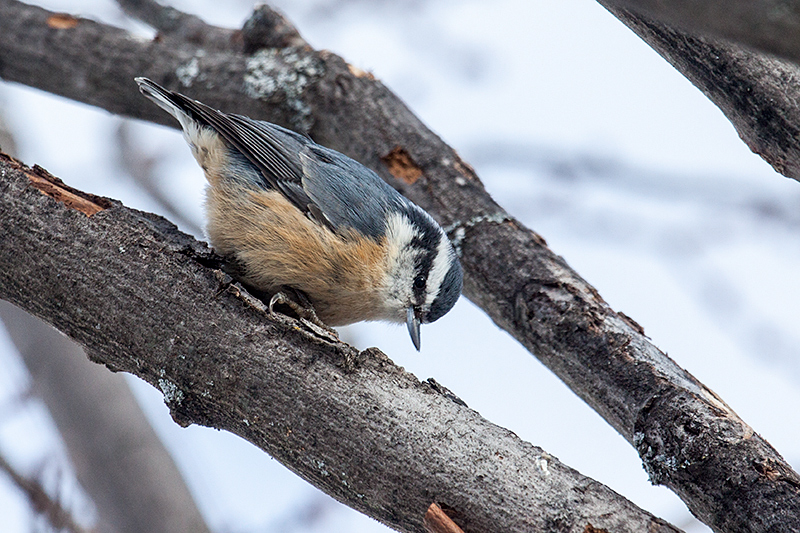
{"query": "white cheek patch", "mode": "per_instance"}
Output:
(441, 265)
(402, 263)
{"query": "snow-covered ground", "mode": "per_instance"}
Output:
(578, 129)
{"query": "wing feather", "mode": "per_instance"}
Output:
(330, 188)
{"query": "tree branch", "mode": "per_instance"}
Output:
(170, 22)
(757, 92)
(688, 439)
(146, 299)
(771, 26)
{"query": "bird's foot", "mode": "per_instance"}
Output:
(298, 302)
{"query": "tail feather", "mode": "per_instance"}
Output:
(167, 101)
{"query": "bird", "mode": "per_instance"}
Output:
(307, 226)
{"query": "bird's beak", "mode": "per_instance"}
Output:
(412, 321)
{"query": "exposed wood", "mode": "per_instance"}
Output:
(437, 521)
(88, 204)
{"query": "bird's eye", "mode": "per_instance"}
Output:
(419, 282)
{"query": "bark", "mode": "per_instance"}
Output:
(688, 438)
(771, 26)
(146, 299)
(756, 91)
(118, 458)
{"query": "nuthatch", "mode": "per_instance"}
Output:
(295, 217)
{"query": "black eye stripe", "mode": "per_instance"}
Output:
(426, 241)
(422, 267)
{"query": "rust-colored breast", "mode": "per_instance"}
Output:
(276, 244)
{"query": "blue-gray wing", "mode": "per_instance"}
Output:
(273, 150)
(346, 192)
(329, 187)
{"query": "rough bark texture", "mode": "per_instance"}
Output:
(118, 458)
(687, 438)
(757, 92)
(771, 26)
(144, 298)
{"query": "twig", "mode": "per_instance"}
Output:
(58, 517)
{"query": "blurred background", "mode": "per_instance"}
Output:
(579, 130)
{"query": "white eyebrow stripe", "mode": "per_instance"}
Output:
(399, 234)
(399, 230)
(441, 265)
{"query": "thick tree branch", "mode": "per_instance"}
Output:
(758, 92)
(688, 439)
(144, 298)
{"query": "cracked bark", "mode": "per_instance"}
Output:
(688, 438)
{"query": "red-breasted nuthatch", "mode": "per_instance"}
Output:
(293, 215)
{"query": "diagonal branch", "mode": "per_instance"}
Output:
(146, 299)
(757, 92)
(771, 26)
(687, 437)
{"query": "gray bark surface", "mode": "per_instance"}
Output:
(771, 26)
(143, 298)
(688, 439)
